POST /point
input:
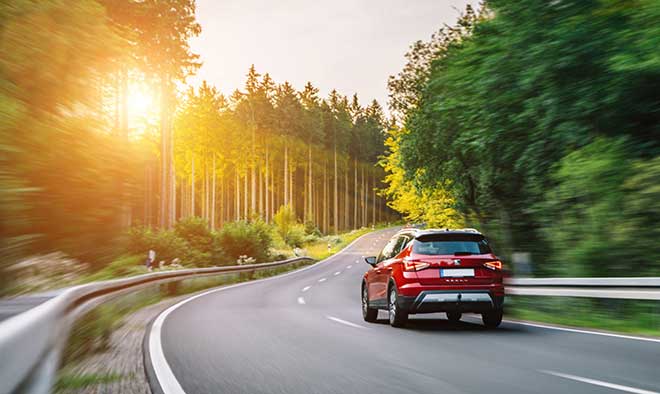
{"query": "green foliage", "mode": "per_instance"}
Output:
(538, 119)
(286, 224)
(165, 243)
(240, 238)
(122, 266)
(312, 229)
(196, 233)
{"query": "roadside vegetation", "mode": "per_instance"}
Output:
(100, 134)
(538, 123)
(191, 244)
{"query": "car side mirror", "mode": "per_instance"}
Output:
(371, 260)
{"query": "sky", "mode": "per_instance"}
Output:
(349, 45)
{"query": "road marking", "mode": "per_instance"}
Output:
(301, 301)
(599, 383)
(322, 280)
(349, 267)
(605, 334)
(304, 289)
(348, 323)
(164, 374)
(337, 273)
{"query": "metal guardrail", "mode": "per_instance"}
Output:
(618, 288)
(31, 342)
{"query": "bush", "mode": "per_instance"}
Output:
(296, 236)
(291, 232)
(199, 239)
(312, 229)
(196, 233)
(166, 244)
(246, 239)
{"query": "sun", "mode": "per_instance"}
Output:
(139, 101)
(142, 103)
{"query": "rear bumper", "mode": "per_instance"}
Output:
(432, 301)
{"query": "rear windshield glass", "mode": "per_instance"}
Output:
(450, 244)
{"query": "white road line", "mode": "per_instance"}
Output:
(600, 383)
(348, 323)
(301, 301)
(605, 334)
(304, 289)
(322, 280)
(164, 374)
(349, 267)
(337, 273)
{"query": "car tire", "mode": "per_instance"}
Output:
(368, 314)
(493, 318)
(454, 316)
(398, 317)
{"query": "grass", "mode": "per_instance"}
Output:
(624, 316)
(319, 250)
(80, 381)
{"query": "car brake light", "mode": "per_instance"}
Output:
(414, 265)
(494, 265)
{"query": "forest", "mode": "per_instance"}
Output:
(79, 172)
(537, 122)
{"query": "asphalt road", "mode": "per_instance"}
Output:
(304, 333)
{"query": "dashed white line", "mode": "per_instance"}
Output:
(600, 383)
(337, 273)
(347, 323)
(301, 301)
(349, 267)
(322, 280)
(168, 382)
(304, 289)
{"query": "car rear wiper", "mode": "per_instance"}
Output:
(462, 253)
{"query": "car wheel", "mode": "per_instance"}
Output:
(492, 318)
(454, 316)
(368, 314)
(398, 316)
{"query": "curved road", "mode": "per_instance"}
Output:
(304, 333)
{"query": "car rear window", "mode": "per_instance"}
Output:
(450, 244)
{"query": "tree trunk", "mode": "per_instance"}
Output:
(237, 193)
(253, 195)
(213, 198)
(267, 187)
(355, 202)
(325, 199)
(335, 213)
(286, 175)
(310, 184)
(373, 201)
(347, 198)
(246, 215)
(261, 194)
(164, 189)
(192, 187)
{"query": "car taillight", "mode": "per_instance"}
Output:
(414, 265)
(494, 265)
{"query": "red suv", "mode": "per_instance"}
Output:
(428, 271)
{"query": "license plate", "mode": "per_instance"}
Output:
(456, 272)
